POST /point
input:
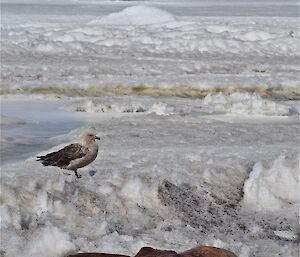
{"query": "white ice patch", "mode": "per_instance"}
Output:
(137, 15)
(295, 110)
(272, 188)
(160, 109)
(137, 192)
(92, 106)
(110, 106)
(48, 242)
(285, 235)
(244, 104)
(255, 36)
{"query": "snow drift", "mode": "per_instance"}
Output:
(136, 15)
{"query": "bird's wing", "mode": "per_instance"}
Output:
(63, 157)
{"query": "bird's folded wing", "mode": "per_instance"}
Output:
(64, 156)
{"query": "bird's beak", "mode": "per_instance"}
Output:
(98, 138)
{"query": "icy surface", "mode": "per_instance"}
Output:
(233, 185)
(218, 166)
(5, 120)
(57, 51)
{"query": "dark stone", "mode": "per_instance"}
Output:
(207, 251)
(202, 251)
(150, 252)
(97, 255)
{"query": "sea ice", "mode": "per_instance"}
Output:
(171, 172)
(89, 55)
(136, 15)
(6, 120)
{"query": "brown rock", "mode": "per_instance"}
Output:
(202, 251)
(97, 255)
(150, 252)
(207, 251)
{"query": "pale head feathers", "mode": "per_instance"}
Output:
(89, 137)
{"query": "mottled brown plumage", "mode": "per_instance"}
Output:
(73, 156)
(64, 156)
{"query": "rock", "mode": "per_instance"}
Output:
(97, 255)
(207, 251)
(150, 252)
(202, 251)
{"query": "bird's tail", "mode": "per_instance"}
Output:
(48, 159)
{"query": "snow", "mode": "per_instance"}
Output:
(197, 107)
(136, 15)
(159, 109)
(48, 241)
(109, 105)
(138, 193)
(245, 104)
(273, 188)
(235, 104)
(92, 106)
(67, 54)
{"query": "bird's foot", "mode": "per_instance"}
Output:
(77, 175)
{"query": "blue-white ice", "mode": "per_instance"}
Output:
(172, 173)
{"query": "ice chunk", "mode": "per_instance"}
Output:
(244, 103)
(295, 110)
(48, 242)
(137, 15)
(159, 109)
(272, 188)
(91, 106)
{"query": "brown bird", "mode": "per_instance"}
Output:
(73, 156)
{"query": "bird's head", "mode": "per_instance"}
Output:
(90, 137)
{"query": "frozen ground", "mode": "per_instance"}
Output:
(218, 165)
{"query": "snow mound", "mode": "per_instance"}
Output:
(272, 188)
(137, 15)
(244, 104)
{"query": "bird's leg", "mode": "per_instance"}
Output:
(76, 174)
